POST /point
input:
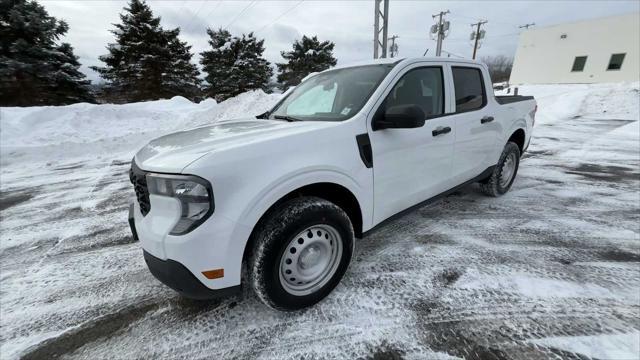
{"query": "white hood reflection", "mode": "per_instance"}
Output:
(173, 152)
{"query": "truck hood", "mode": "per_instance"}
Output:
(172, 153)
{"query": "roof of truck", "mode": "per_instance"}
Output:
(407, 60)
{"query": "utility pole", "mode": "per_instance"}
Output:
(440, 29)
(393, 48)
(376, 28)
(477, 36)
(526, 26)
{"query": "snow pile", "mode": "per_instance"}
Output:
(620, 100)
(248, 104)
(84, 123)
(50, 132)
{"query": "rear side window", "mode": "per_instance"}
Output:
(470, 93)
(578, 63)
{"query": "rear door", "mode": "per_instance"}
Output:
(412, 165)
(475, 123)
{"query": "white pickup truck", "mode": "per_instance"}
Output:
(278, 199)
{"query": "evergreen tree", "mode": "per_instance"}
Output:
(217, 64)
(34, 68)
(147, 62)
(234, 65)
(71, 85)
(183, 79)
(308, 55)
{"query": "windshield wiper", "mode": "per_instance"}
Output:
(264, 115)
(286, 117)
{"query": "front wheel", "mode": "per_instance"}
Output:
(504, 172)
(300, 253)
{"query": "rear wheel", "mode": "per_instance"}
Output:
(504, 173)
(301, 251)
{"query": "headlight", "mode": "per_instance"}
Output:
(194, 194)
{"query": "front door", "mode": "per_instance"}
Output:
(412, 165)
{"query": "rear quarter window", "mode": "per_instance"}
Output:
(469, 87)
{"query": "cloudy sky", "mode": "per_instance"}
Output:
(347, 23)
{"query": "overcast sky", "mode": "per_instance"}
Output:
(349, 24)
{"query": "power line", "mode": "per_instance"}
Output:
(181, 6)
(479, 19)
(214, 9)
(505, 35)
(456, 55)
(280, 16)
(195, 16)
(486, 38)
(464, 16)
(240, 13)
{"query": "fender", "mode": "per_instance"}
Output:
(287, 183)
(518, 124)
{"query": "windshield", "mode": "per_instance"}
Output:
(334, 95)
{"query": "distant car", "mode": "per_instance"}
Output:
(284, 195)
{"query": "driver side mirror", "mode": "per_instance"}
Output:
(400, 117)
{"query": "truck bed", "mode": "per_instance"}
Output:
(508, 99)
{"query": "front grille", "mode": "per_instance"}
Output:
(139, 181)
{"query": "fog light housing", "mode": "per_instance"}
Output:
(193, 192)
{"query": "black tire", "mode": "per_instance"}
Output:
(492, 185)
(271, 241)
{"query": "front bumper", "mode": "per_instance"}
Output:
(179, 278)
(217, 244)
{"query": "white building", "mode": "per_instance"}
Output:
(592, 51)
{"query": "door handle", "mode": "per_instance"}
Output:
(441, 131)
(486, 119)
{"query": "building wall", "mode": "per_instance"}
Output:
(543, 57)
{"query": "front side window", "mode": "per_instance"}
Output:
(578, 63)
(470, 92)
(334, 95)
(615, 63)
(422, 87)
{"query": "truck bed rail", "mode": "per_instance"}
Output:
(508, 99)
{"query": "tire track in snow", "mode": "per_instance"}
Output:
(92, 330)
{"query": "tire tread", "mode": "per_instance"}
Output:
(268, 233)
(490, 186)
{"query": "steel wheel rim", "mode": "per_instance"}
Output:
(310, 259)
(508, 170)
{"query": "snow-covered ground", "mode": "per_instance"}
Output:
(550, 269)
